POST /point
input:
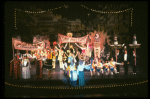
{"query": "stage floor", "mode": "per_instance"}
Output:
(58, 75)
(95, 86)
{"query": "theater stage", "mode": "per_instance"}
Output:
(101, 85)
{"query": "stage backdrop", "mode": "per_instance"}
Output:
(94, 42)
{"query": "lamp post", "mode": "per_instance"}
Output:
(116, 46)
(135, 46)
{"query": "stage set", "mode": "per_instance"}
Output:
(76, 49)
(73, 60)
(74, 63)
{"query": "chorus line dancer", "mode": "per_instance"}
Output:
(93, 69)
(112, 65)
(106, 67)
(99, 67)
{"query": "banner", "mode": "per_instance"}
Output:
(66, 39)
(17, 44)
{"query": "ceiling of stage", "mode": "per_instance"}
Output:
(72, 11)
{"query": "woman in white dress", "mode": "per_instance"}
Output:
(25, 68)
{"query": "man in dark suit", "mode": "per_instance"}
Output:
(118, 60)
(133, 59)
(126, 60)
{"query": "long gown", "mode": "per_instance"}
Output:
(25, 69)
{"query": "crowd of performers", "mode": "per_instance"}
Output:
(73, 62)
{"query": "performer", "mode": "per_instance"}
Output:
(126, 59)
(16, 63)
(118, 60)
(80, 72)
(60, 55)
(71, 47)
(106, 67)
(112, 65)
(77, 56)
(71, 68)
(25, 68)
(93, 69)
(133, 59)
(18, 68)
(11, 67)
(38, 54)
(99, 67)
(64, 62)
(54, 57)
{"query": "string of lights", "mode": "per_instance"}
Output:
(102, 86)
(131, 16)
(36, 12)
(15, 18)
(107, 11)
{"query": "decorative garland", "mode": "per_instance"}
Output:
(102, 86)
(106, 11)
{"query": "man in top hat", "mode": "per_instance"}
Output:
(126, 60)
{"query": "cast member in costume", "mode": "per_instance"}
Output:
(93, 69)
(25, 68)
(118, 60)
(16, 63)
(64, 63)
(80, 72)
(60, 55)
(126, 59)
(99, 67)
(112, 65)
(72, 72)
(133, 59)
(106, 69)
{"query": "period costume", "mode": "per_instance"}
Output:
(93, 68)
(54, 58)
(38, 64)
(11, 68)
(25, 68)
(112, 65)
(72, 74)
(99, 68)
(80, 72)
(106, 68)
(60, 58)
(65, 62)
(133, 62)
(118, 60)
(126, 59)
(16, 68)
